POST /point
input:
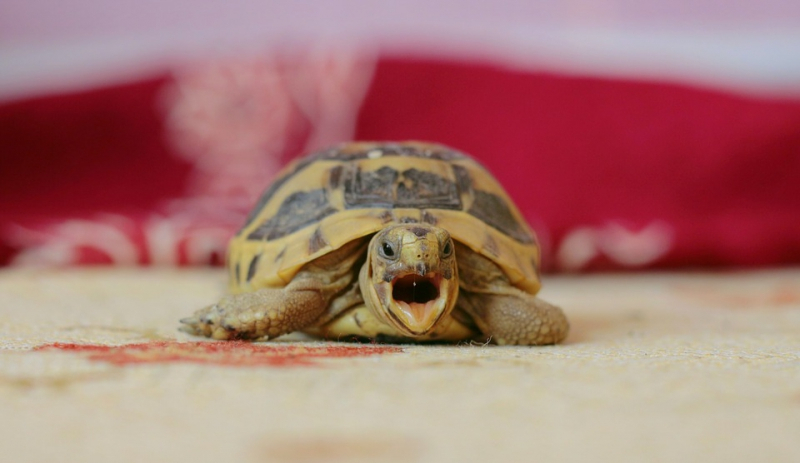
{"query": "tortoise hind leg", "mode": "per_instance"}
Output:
(520, 318)
(271, 312)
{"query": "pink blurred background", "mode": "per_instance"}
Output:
(633, 135)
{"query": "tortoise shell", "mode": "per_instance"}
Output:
(321, 202)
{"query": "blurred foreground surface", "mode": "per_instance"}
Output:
(658, 367)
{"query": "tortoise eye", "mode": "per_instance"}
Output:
(387, 250)
(447, 249)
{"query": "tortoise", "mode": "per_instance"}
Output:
(396, 242)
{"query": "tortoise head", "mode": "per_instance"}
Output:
(410, 280)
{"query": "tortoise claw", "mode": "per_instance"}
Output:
(210, 322)
(188, 329)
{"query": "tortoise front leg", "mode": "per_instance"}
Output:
(265, 313)
(270, 312)
(502, 312)
(515, 317)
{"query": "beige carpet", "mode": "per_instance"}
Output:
(660, 367)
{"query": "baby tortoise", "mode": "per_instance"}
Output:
(391, 241)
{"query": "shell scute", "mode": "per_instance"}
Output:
(298, 210)
(389, 187)
(494, 210)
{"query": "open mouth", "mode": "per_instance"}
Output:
(416, 296)
(414, 289)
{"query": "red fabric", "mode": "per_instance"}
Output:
(611, 173)
(75, 154)
(721, 170)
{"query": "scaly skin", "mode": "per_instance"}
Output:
(268, 313)
(265, 314)
(515, 319)
(505, 314)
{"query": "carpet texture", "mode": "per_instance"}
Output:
(658, 367)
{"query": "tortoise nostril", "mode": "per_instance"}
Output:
(419, 231)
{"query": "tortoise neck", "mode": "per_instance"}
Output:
(368, 290)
